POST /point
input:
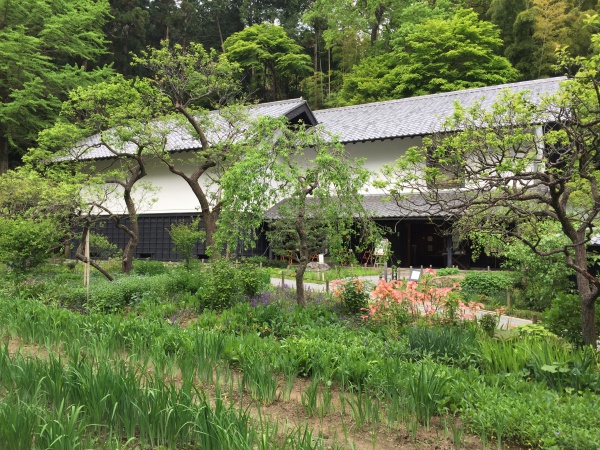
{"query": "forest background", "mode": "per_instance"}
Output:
(331, 52)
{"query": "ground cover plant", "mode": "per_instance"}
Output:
(163, 370)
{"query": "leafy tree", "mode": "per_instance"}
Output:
(308, 172)
(35, 214)
(120, 113)
(192, 80)
(26, 243)
(185, 236)
(271, 59)
(532, 31)
(220, 19)
(537, 279)
(125, 32)
(516, 180)
(438, 56)
(365, 18)
(44, 48)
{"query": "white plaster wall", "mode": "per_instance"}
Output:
(379, 153)
(174, 195)
(171, 194)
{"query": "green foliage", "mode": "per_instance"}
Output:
(488, 323)
(485, 283)
(446, 271)
(563, 318)
(542, 396)
(537, 278)
(35, 214)
(220, 291)
(110, 297)
(42, 46)
(100, 247)
(440, 55)
(428, 389)
(252, 279)
(271, 58)
(27, 243)
(563, 371)
(181, 280)
(185, 237)
(266, 262)
(447, 344)
(149, 267)
(353, 294)
(534, 330)
(318, 197)
(113, 296)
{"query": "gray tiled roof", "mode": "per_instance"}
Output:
(180, 139)
(416, 116)
(411, 206)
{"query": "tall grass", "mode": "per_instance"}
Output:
(427, 392)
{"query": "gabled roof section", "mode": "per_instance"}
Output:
(180, 139)
(417, 116)
(293, 110)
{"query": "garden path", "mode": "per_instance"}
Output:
(504, 323)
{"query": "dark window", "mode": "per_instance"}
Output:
(556, 150)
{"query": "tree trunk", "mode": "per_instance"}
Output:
(95, 265)
(588, 320)
(300, 299)
(133, 230)
(302, 239)
(81, 257)
(3, 155)
(210, 227)
(316, 68)
(588, 295)
(131, 247)
(377, 23)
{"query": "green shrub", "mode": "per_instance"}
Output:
(266, 262)
(221, 289)
(182, 280)
(148, 267)
(27, 243)
(112, 296)
(72, 297)
(488, 323)
(185, 237)
(252, 279)
(485, 283)
(353, 294)
(447, 271)
(446, 344)
(101, 247)
(564, 317)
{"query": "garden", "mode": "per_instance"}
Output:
(212, 356)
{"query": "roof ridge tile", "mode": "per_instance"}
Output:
(442, 94)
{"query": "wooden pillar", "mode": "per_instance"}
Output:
(408, 249)
(449, 250)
